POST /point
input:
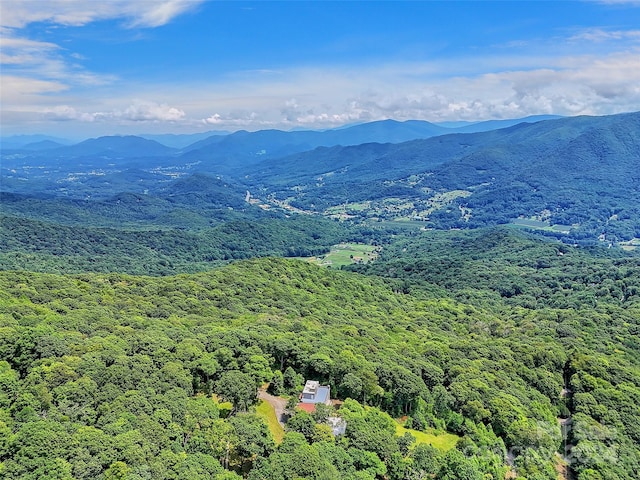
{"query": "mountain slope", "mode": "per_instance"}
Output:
(246, 148)
(50, 247)
(175, 140)
(16, 142)
(578, 173)
(579, 170)
(242, 148)
(128, 146)
(90, 362)
(42, 145)
(488, 125)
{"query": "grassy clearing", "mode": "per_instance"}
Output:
(268, 414)
(538, 225)
(527, 222)
(561, 228)
(440, 440)
(631, 244)
(348, 208)
(345, 254)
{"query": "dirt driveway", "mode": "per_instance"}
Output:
(278, 404)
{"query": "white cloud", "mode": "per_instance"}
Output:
(296, 114)
(19, 93)
(215, 119)
(540, 77)
(155, 14)
(325, 98)
(63, 113)
(239, 120)
(47, 60)
(138, 111)
(151, 112)
(602, 35)
(20, 13)
(582, 85)
(44, 61)
(33, 70)
(25, 44)
(329, 97)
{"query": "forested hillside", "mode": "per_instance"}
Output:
(330, 240)
(141, 308)
(119, 369)
(580, 172)
(48, 247)
(506, 265)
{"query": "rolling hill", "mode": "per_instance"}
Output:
(487, 335)
(241, 149)
(129, 146)
(579, 174)
(113, 369)
(579, 171)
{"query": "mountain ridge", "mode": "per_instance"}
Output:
(580, 170)
(577, 172)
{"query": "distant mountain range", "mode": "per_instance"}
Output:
(223, 149)
(129, 146)
(577, 172)
(380, 162)
(26, 141)
(485, 126)
(182, 140)
(389, 131)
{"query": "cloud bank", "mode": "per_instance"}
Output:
(577, 85)
(593, 71)
(138, 111)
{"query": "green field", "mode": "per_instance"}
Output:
(348, 207)
(527, 222)
(268, 414)
(530, 223)
(345, 254)
(631, 244)
(441, 440)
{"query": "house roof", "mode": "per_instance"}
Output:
(311, 387)
(321, 396)
(307, 407)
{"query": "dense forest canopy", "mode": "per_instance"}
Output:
(50, 247)
(143, 305)
(120, 369)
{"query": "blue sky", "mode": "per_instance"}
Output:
(89, 68)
